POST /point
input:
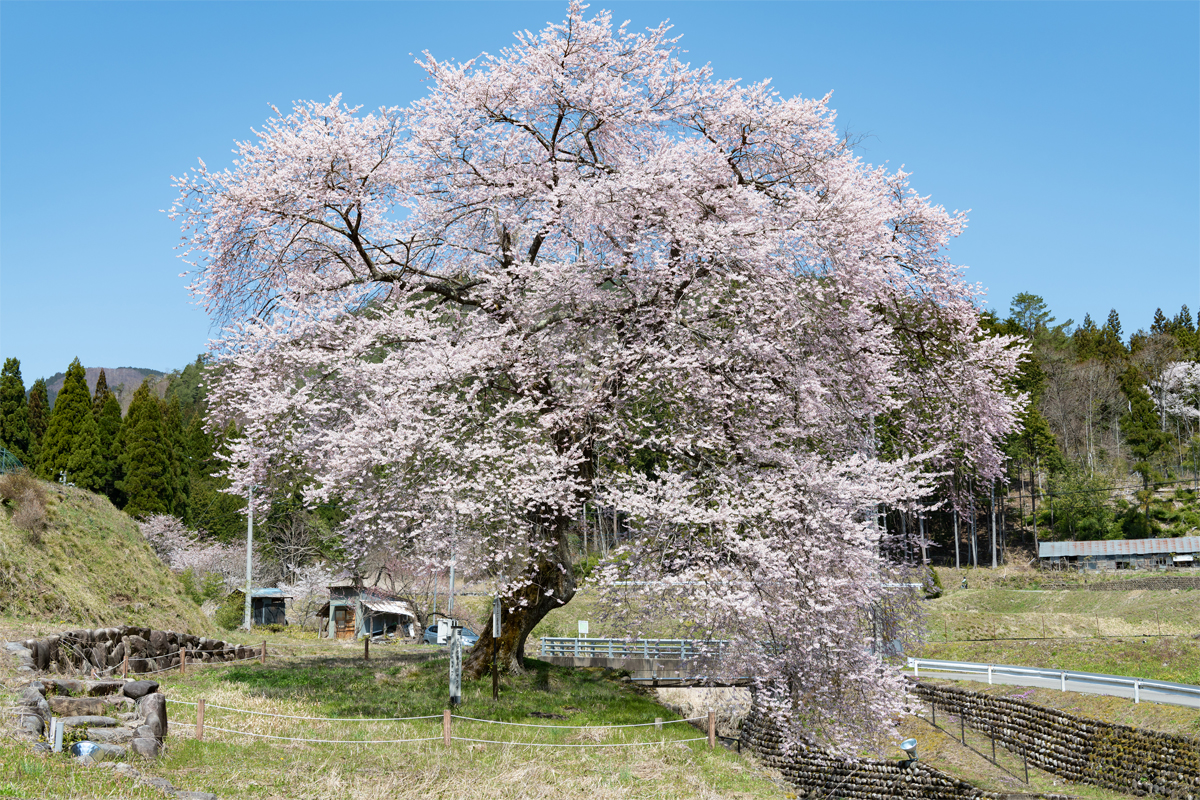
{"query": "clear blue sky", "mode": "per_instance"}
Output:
(1071, 131)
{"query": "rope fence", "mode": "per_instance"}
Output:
(447, 729)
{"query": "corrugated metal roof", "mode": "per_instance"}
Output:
(389, 607)
(1118, 547)
(268, 593)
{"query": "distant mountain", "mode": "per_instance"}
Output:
(123, 381)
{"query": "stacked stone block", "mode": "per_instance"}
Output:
(121, 717)
(1117, 757)
(820, 774)
(1157, 583)
(103, 650)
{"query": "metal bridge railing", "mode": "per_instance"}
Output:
(1183, 694)
(683, 649)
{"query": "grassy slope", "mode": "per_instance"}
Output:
(91, 568)
(410, 680)
(1070, 619)
(1128, 622)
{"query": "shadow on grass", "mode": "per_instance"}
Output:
(417, 684)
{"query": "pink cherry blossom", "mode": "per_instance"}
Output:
(583, 274)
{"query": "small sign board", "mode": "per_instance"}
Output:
(583, 628)
(496, 618)
(443, 631)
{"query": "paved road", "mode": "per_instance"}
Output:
(1075, 683)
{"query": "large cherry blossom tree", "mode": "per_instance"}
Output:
(582, 273)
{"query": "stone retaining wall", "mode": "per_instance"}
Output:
(819, 774)
(1158, 583)
(103, 649)
(1117, 757)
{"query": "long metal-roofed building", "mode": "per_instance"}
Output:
(1111, 554)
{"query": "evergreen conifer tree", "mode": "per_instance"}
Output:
(147, 481)
(180, 460)
(73, 403)
(1140, 426)
(14, 413)
(109, 424)
(212, 509)
(1086, 339)
(1114, 323)
(1110, 347)
(38, 406)
(86, 463)
(100, 395)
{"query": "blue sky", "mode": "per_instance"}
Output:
(1071, 131)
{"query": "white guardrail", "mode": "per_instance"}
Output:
(1182, 694)
(682, 649)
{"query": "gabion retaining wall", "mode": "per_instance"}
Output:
(1118, 757)
(104, 649)
(820, 774)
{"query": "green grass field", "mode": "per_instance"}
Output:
(404, 681)
(1148, 634)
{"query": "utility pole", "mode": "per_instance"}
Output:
(974, 537)
(1033, 486)
(993, 482)
(921, 523)
(249, 550)
(954, 514)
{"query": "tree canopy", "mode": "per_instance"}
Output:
(68, 421)
(582, 273)
(14, 413)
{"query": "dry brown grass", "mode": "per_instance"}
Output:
(27, 495)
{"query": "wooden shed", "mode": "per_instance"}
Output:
(356, 611)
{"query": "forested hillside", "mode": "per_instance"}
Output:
(1108, 446)
(153, 457)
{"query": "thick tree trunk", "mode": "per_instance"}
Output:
(550, 584)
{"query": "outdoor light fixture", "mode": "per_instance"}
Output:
(909, 746)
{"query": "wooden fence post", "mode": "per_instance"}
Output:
(446, 727)
(367, 648)
(712, 730)
(125, 663)
(200, 720)
(262, 656)
(183, 661)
